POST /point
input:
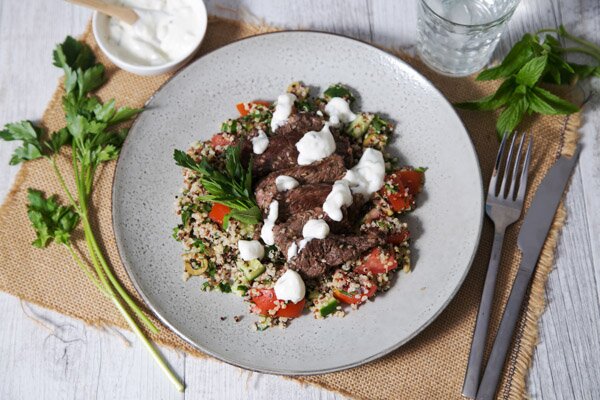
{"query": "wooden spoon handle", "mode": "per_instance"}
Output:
(124, 14)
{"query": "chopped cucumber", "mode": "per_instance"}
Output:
(328, 307)
(240, 289)
(359, 126)
(252, 269)
(338, 91)
(375, 140)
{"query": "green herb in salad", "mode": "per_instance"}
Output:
(94, 139)
(531, 62)
(232, 187)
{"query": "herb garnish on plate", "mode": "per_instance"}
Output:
(232, 187)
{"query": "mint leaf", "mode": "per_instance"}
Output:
(493, 101)
(521, 52)
(511, 116)
(551, 102)
(532, 71)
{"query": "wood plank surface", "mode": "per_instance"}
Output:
(44, 355)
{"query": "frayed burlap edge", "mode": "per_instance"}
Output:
(525, 343)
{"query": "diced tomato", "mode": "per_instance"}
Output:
(218, 212)
(219, 140)
(395, 193)
(244, 108)
(352, 297)
(413, 180)
(265, 301)
(398, 237)
(378, 261)
(400, 201)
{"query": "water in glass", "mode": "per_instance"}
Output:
(457, 37)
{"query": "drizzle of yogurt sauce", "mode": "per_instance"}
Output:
(260, 142)
(290, 287)
(339, 196)
(165, 31)
(283, 109)
(292, 251)
(285, 183)
(339, 112)
(250, 249)
(315, 146)
(266, 232)
(365, 178)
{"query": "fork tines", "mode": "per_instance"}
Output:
(517, 172)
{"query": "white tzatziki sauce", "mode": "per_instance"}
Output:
(290, 287)
(283, 109)
(339, 112)
(365, 178)
(166, 31)
(260, 142)
(315, 146)
(266, 232)
(285, 183)
(250, 249)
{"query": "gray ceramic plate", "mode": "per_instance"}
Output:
(192, 105)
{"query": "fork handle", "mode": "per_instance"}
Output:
(475, 365)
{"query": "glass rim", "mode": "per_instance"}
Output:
(487, 24)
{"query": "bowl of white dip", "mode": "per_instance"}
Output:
(166, 35)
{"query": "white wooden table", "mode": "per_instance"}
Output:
(51, 356)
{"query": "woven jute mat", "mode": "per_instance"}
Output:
(431, 366)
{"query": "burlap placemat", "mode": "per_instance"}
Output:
(431, 366)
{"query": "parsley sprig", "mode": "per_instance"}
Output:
(231, 187)
(533, 61)
(94, 137)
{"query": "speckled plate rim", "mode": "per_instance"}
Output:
(165, 321)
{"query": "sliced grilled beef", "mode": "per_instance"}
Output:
(282, 152)
(302, 198)
(321, 254)
(291, 230)
(328, 170)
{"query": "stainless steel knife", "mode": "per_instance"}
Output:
(531, 240)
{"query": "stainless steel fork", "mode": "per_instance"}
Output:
(503, 207)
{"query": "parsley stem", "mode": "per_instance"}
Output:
(93, 246)
(86, 269)
(150, 347)
(61, 180)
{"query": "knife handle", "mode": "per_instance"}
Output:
(480, 334)
(494, 367)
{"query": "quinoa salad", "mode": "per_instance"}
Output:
(295, 207)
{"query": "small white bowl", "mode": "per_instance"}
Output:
(99, 27)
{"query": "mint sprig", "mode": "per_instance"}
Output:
(532, 62)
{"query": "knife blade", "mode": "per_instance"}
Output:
(532, 236)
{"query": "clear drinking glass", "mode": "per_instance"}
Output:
(457, 37)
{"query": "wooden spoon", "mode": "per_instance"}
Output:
(124, 14)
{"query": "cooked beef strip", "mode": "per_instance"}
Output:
(321, 254)
(302, 198)
(328, 170)
(282, 152)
